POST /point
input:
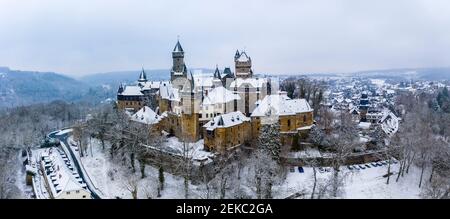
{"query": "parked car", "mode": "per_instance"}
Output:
(321, 170)
(374, 164)
(362, 167)
(300, 169)
(350, 167)
(395, 161)
(356, 167)
(368, 166)
(379, 163)
(292, 169)
(383, 162)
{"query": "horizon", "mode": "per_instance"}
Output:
(296, 37)
(210, 70)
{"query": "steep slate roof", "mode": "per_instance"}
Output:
(142, 76)
(217, 73)
(178, 47)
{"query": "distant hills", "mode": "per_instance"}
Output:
(408, 74)
(27, 87)
(19, 88)
(117, 77)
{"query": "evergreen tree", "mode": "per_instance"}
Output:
(269, 140)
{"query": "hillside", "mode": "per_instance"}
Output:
(28, 87)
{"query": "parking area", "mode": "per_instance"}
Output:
(355, 167)
(376, 164)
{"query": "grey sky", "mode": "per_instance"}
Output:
(89, 36)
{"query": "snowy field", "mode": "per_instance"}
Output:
(112, 178)
(365, 184)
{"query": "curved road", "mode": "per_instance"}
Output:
(63, 138)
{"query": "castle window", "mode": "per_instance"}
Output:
(207, 115)
(289, 123)
(304, 118)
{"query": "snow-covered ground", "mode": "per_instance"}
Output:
(366, 184)
(112, 178)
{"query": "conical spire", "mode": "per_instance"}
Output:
(236, 56)
(217, 73)
(143, 76)
(120, 88)
(178, 47)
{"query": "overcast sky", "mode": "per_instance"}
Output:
(89, 36)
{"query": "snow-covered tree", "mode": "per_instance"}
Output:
(269, 140)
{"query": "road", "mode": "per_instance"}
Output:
(64, 143)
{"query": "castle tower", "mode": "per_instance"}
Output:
(243, 65)
(178, 74)
(191, 100)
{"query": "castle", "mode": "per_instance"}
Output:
(225, 109)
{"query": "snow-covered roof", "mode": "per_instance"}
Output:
(226, 120)
(146, 116)
(61, 178)
(203, 80)
(220, 95)
(243, 57)
(253, 82)
(281, 105)
(131, 91)
(364, 125)
(152, 84)
(389, 123)
(168, 92)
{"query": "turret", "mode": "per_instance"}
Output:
(217, 79)
(142, 76)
